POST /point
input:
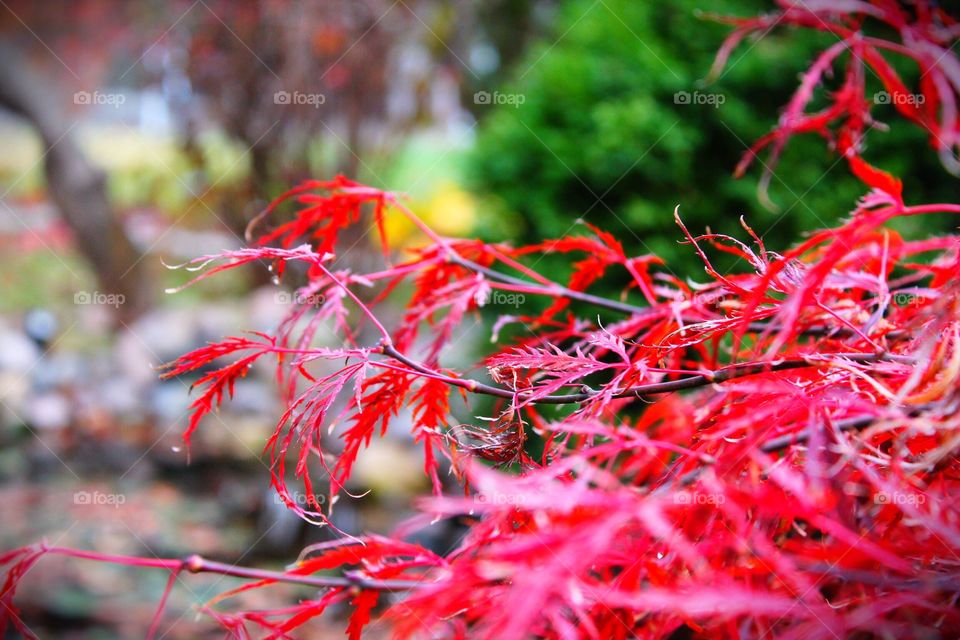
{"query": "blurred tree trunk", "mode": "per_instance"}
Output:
(77, 187)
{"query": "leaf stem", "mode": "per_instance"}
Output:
(199, 564)
(706, 378)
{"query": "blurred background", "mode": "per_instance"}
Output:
(138, 134)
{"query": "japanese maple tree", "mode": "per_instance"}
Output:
(771, 452)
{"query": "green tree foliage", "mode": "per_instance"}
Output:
(603, 133)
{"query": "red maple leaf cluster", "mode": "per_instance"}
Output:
(772, 452)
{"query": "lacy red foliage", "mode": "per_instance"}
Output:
(220, 380)
(771, 452)
(329, 207)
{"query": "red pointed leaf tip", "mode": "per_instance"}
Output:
(876, 178)
(363, 604)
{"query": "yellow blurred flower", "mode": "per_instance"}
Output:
(449, 210)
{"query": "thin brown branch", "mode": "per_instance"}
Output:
(198, 564)
(553, 290)
(725, 374)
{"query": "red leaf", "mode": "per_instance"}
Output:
(363, 604)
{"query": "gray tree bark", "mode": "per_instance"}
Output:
(77, 187)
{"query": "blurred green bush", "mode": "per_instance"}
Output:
(617, 127)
